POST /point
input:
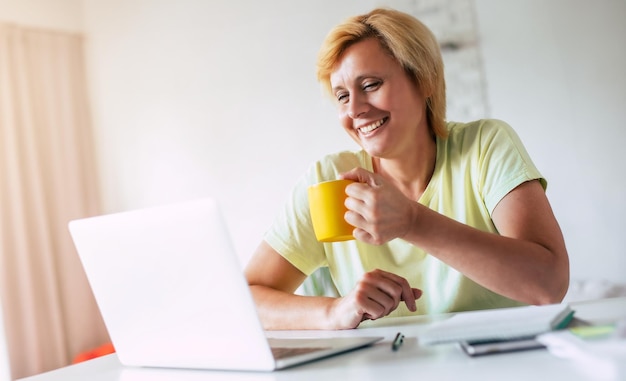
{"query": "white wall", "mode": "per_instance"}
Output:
(219, 98)
(556, 70)
(195, 98)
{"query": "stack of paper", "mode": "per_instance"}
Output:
(498, 324)
(598, 350)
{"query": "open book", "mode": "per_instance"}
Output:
(498, 324)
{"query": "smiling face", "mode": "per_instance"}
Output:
(379, 105)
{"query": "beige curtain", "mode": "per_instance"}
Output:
(47, 177)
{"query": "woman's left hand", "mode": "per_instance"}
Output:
(377, 209)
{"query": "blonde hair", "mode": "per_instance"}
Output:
(409, 41)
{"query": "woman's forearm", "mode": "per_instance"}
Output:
(282, 310)
(520, 269)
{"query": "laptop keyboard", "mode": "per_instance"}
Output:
(284, 352)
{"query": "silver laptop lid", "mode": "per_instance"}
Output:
(170, 288)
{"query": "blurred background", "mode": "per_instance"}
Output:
(113, 105)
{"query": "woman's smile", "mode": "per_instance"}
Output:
(370, 128)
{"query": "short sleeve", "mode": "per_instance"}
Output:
(503, 161)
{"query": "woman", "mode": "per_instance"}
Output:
(448, 216)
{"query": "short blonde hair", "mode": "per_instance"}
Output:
(409, 41)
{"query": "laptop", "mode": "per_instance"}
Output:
(172, 293)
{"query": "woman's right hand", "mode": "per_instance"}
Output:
(376, 295)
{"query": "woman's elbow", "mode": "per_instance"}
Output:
(555, 286)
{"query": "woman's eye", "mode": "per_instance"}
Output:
(342, 97)
(369, 86)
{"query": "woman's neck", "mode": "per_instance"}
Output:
(412, 172)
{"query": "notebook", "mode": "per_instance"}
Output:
(512, 323)
(172, 292)
(480, 348)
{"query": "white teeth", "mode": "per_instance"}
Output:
(371, 127)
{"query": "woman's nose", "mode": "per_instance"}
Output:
(354, 115)
(357, 107)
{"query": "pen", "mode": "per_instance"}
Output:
(397, 342)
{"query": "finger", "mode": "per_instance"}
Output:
(417, 293)
(407, 294)
(377, 303)
(360, 175)
(354, 218)
(363, 236)
(395, 289)
(411, 303)
(349, 311)
(375, 296)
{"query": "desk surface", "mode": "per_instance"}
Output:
(410, 362)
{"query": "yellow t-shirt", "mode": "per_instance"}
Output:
(476, 166)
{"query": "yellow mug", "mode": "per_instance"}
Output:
(326, 202)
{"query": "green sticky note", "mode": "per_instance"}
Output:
(593, 331)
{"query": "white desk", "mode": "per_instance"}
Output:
(379, 362)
